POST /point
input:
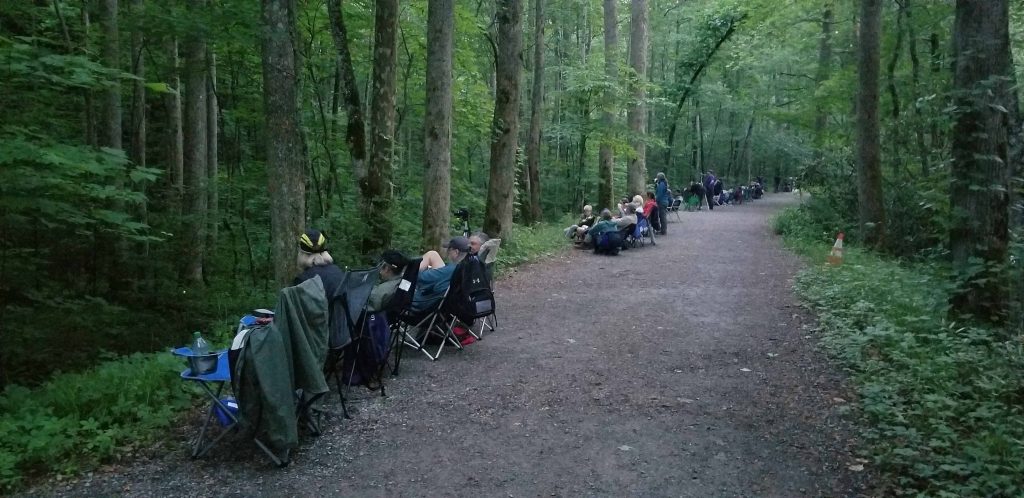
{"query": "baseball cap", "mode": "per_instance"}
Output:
(460, 244)
(394, 258)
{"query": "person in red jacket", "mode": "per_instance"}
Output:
(651, 212)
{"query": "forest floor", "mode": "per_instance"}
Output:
(685, 369)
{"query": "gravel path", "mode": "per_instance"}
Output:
(685, 369)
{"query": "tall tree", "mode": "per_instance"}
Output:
(355, 131)
(505, 127)
(212, 130)
(437, 188)
(869, 169)
(536, 116)
(286, 160)
(376, 186)
(195, 156)
(979, 234)
(138, 108)
(606, 158)
(110, 125)
(174, 138)
(822, 74)
(636, 172)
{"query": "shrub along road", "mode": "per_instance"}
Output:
(685, 369)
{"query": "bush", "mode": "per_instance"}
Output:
(943, 403)
(74, 421)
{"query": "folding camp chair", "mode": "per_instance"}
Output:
(276, 369)
(223, 409)
(398, 307)
(641, 232)
(348, 337)
(489, 255)
(677, 204)
(417, 327)
(693, 203)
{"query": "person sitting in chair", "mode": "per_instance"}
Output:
(392, 264)
(629, 218)
(605, 224)
(477, 240)
(587, 220)
(314, 260)
(651, 212)
(435, 275)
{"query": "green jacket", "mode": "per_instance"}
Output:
(280, 358)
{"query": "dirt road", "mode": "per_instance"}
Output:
(677, 370)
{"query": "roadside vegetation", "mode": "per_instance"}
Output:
(941, 401)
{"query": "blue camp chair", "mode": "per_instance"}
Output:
(225, 409)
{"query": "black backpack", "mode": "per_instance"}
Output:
(469, 294)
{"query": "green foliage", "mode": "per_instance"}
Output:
(75, 421)
(941, 402)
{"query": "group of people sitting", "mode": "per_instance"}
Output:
(435, 271)
(654, 207)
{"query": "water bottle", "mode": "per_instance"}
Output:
(199, 345)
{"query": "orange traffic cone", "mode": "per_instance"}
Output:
(836, 257)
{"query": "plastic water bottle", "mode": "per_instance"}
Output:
(199, 345)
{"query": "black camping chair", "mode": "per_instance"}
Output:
(347, 327)
(399, 312)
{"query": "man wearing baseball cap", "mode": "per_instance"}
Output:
(435, 275)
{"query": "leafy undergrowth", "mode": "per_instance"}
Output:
(942, 403)
(75, 421)
(531, 243)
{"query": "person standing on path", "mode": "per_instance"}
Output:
(663, 195)
(709, 188)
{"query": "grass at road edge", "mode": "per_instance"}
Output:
(941, 403)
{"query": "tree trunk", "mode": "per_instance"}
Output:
(195, 157)
(138, 120)
(636, 115)
(505, 127)
(896, 140)
(286, 161)
(355, 131)
(870, 201)
(915, 89)
(175, 134)
(212, 130)
(437, 187)
(979, 202)
(536, 115)
(747, 147)
(376, 186)
(823, 73)
(110, 128)
(606, 158)
(90, 118)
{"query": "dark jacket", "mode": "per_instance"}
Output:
(278, 359)
(331, 276)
